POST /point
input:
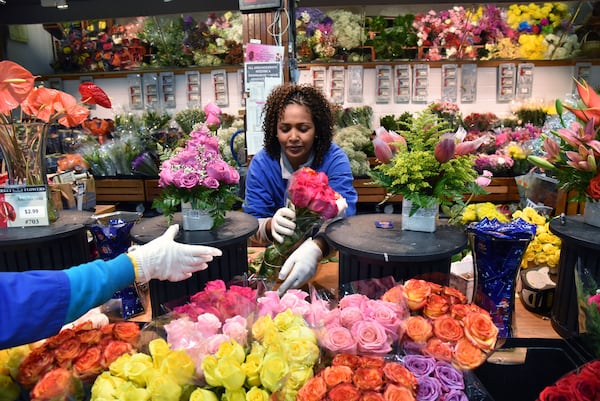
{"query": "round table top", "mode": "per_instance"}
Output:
(68, 222)
(359, 236)
(237, 226)
(575, 231)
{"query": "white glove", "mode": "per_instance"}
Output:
(342, 205)
(164, 259)
(283, 224)
(300, 266)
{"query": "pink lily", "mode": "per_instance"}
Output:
(552, 149)
(582, 160)
(465, 148)
(444, 149)
(484, 179)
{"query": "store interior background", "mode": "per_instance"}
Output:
(552, 79)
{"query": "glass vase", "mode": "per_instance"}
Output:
(591, 213)
(23, 146)
(196, 219)
(421, 219)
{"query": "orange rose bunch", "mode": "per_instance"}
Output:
(75, 355)
(442, 324)
(353, 377)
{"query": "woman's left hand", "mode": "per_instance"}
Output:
(300, 266)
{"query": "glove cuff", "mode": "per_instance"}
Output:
(140, 277)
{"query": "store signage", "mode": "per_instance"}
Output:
(24, 206)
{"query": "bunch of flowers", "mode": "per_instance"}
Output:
(37, 104)
(480, 121)
(443, 325)
(163, 374)
(279, 360)
(216, 40)
(348, 27)
(360, 325)
(490, 25)
(479, 211)
(572, 153)
(10, 359)
(314, 201)
(580, 384)
(449, 33)
(199, 175)
(437, 380)
(498, 163)
(544, 248)
(426, 162)
(353, 377)
(73, 356)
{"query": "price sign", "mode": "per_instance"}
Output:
(23, 206)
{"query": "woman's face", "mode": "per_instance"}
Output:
(296, 133)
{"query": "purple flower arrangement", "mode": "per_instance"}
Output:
(438, 380)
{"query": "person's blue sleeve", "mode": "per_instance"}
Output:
(265, 189)
(36, 304)
(337, 167)
(94, 283)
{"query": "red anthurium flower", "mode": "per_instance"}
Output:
(15, 84)
(92, 94)
(40, 103)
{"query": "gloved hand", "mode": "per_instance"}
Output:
(342, 205)
(300, 266)
(164, 259)
(283, 224)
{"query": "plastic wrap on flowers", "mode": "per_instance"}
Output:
(588, 301)
(111, 233)
(498, 249)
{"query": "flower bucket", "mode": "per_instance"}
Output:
(423, 219)
(591, 213)
(196, 219)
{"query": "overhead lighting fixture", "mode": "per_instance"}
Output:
(62, 4)
(2, 2)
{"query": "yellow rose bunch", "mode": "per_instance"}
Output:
(280, 360)
(544, 249)
(477, 211)
(10, 359)
(532, 13)
(164, 374)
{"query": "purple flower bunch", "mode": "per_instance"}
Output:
(438, 380)
(311, 18)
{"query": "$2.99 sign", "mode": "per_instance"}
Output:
(23, 206)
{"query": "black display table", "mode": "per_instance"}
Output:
(370, 252)
(580, 242)
(60, 245)
(231, 237)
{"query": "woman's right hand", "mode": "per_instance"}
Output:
(283, 224)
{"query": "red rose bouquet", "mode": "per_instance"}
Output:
(581, 384)
(315, 202)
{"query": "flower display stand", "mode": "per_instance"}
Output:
(129, 189)
(501, 190)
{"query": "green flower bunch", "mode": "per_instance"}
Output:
(429, 165)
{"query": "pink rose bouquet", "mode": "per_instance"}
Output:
(198, 174)
(315, 202)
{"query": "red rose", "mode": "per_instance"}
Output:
(334, 375)
(349, 360)
(314, 389)
(555, 393)
(368, 378)
(436, 306)
(593, 188)
(344, 392)
(127, 331)
(438, 349)
(114, 350)
(89, 337)
(34, 366)
(89, 364)
(57, 385)
(371, 396)
(397, 393)
(446, 328)
(371, 362)
(67, 351)
(399, 374)
(62, 336)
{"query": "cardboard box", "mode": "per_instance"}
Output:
(66, 195)
(462, 276)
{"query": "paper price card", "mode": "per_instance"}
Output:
(23, 206)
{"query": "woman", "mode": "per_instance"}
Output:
(36, 304)
(298, 127)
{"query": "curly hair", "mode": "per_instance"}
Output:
(303, 95)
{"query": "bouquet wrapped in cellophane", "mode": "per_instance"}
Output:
(314, 201)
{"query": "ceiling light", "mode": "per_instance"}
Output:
(2, 2)
(62, 4)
